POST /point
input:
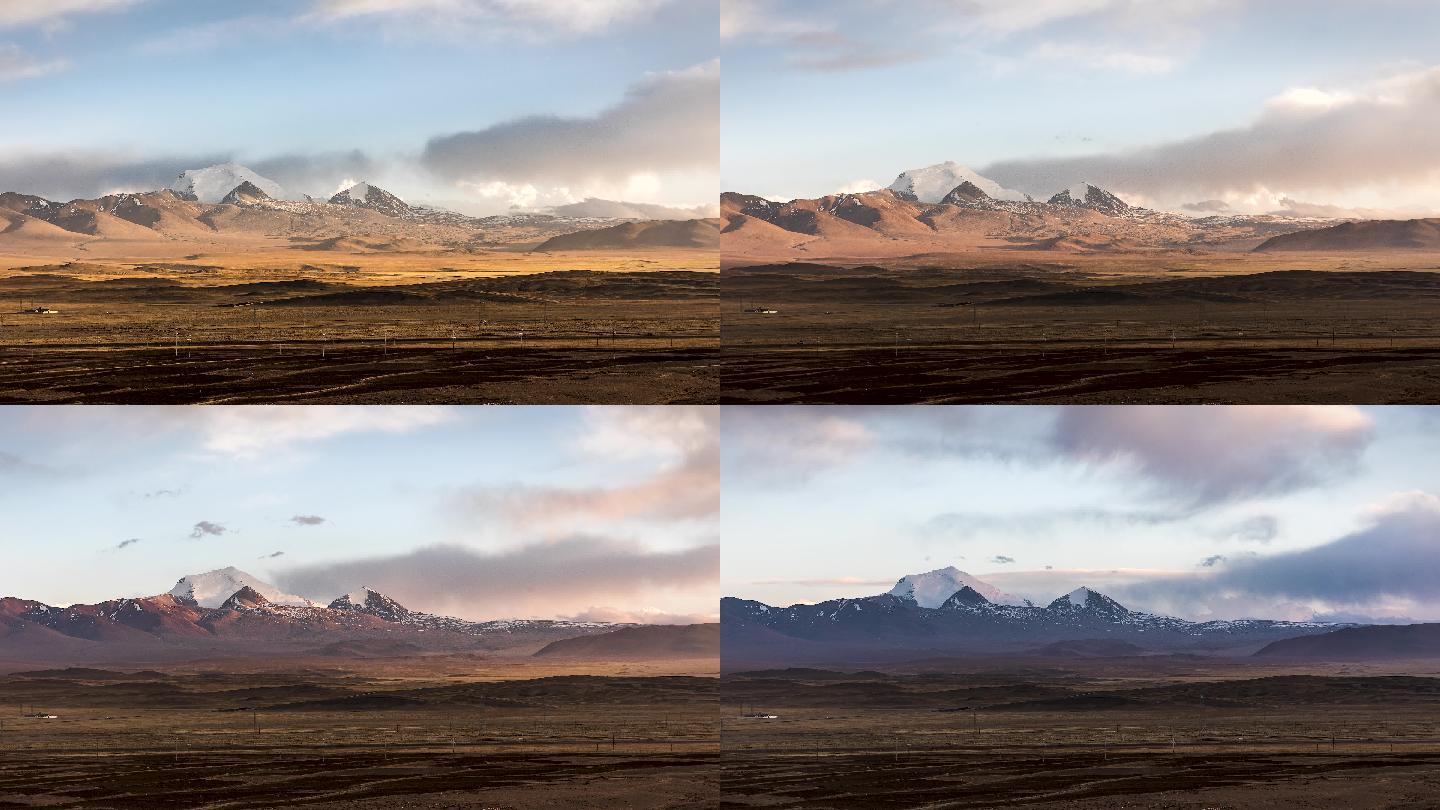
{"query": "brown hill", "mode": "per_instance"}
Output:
(1372, 643)
(1379, 234)
(689, 233)
(655, 641)
(880, 224)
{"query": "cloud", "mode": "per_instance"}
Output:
(272, 555)
(1204, 455)
(15, 13)
(810, 43)
(307, 520)
(497, 17)
(161, 493)
(206, 528)
(127, 543)
(1384, 570)
(1039, 522)
(1001, 559)
(644, 616)
(1101, 57)
(685, 487)
(859, 187)
(1256, 529)
(250, 432)
(1212, 561)
(825, 582)
(667, 122)
(1305, 142)
(16, 64)
(789, 444)
(558, 578)
(93, 173)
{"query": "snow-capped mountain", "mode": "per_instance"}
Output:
(1094, 198)
(228, 611)
(374, 603)
(364, 195)
(932, 183)
(212, 588)
(895, 624)
(932, 588)
(212, 183)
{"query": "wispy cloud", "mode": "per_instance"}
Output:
(686, 486)
(493, 18)
(253, 431)
(15, 13)
(126, 543)
(307, 520)
(16, 64)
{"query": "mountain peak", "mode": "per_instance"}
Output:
(367, 600)
(932, 183)
(966, 597)
(246, 192)
(212, 183)
(932, 588)
(966, 192)
(213, 588)
(364, 195)
(246, 597)
(1089, 601)
(1086, 195)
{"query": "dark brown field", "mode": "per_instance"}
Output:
(379, 737)
(1094, 330)
(1088, 737)
(648, 337)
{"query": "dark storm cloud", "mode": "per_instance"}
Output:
(206, 528)
(669, 121)
(307, 520)
(557, 578)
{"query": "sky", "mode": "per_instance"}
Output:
(1311, 107)
(474, 104)
(1203, 512)
(598, 513)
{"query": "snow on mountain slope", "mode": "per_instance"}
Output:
(932, 183)
(364, 195)
(212, 588)
(212, 183)
(932, 588)
(1093, 197)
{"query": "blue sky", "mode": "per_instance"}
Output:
(607, 512)
(115, 87)
(823, 96)
(1201, 512)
